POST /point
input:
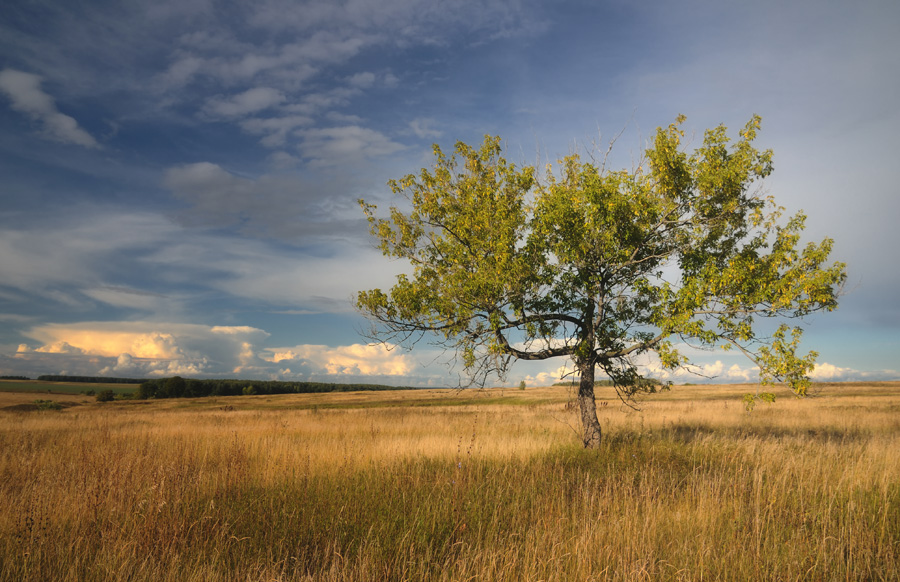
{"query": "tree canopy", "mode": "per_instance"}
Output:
(599, 266)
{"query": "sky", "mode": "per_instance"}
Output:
(180, 178)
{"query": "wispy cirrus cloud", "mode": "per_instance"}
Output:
(26, 96)
(288, 206)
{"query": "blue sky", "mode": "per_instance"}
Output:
(180, 177)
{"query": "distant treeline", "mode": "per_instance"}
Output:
(91, 379)
(14, 378)
(178, 387)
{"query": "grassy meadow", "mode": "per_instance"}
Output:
(443, 485)
(42, 387)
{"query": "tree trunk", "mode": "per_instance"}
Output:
(588, 407)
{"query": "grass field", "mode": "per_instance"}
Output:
(442, 485)
(39, 386)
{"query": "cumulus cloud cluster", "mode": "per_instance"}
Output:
(354, 360)
(144, 348)
(147, 349)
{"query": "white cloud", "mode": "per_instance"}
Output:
(736, 373)
(826, 371)
(335, 145)
(24, 90)
(343, 118)
(362, 80)
(147, 348)
(59, 347)
(424, 128)
(126, 297)
(313, 103)
(52, 258)
(217, 197)
(275, 129)
(398, 21)
(68, 264)
(250, 101)
(322, 284)
(352, 360)
(278, 205)
(283, 161)
(700, 371)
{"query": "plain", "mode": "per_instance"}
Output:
(447, 485)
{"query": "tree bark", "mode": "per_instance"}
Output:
(588, 407)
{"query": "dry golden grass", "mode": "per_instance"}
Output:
(437, 485)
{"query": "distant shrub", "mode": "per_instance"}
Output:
(106, 396)
(48, 405)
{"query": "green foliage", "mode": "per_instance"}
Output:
(601, 266)
(750, 400)
(105, 396)
(48, 405)
(177, 387)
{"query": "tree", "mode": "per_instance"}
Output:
(601, 267)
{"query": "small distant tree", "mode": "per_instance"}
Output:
(600, 266)
(105, 396)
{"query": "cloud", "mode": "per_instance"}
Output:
(126, 297)
(250, 101)
(145, 348)
(278, 205)
(353, 360)
(59, 347)
(702, 372)
(336, 145)
(401, 21)
(826, 372)
(145, 266)
(65, 252)
(275, 129)
(424, 128)
(228, 61)
(217, 197)
(24, 90)
(362, 80)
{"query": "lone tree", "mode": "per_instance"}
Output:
(601, 266)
